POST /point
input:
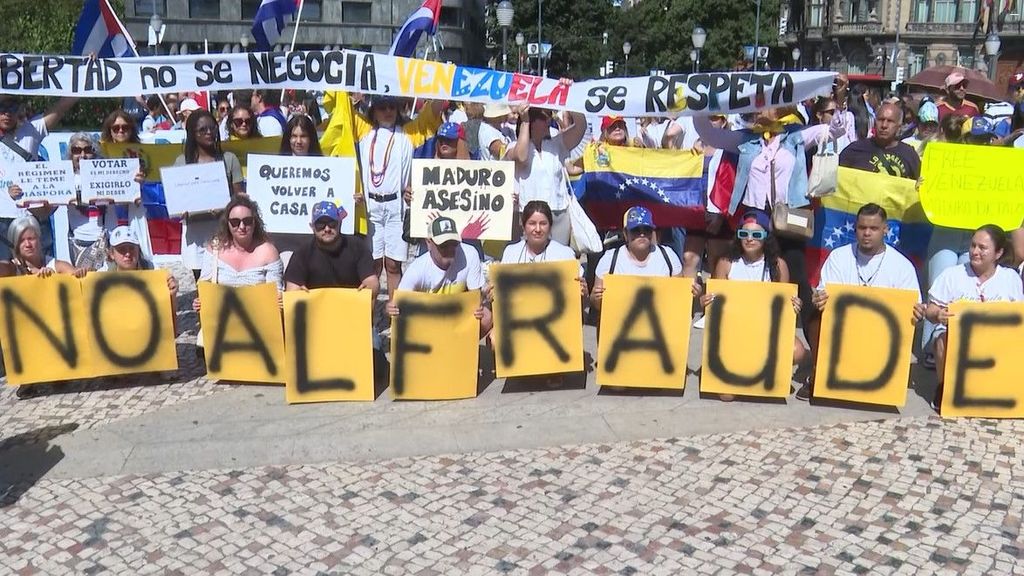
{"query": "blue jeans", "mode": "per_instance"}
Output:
(947, 248)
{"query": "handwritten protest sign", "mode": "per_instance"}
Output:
(984, 361)
(195, 187)
(242, 335)
(52, 182)
(965, 186)
(326, 361)
(864, 348)
(740, 314)
(476, 194)
(434, 346)
(645, 332)
(109, 178)
(537, 311)
(287, 187)
(354, 71)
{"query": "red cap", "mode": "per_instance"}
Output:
(607, 121)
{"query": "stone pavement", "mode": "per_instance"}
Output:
(179, 475)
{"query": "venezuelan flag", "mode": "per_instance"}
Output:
(670, 183)
(164, 232)
(835, 219)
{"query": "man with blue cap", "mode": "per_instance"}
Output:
(331, 259)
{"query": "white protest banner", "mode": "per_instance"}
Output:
(669, 95)
(195, 187)
(109, 179)
(52, 182)
(476, 194)
(287, 187)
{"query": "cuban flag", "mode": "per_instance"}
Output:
(424, 19)
(271, 19)
(100, 32)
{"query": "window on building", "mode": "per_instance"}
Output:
(944, 11)
(917, 60)
(356, 12)
(249, 8)
(921, 10)
(816, 14)
(860, 9)
(967, 8)
(206, 9)
(965, 57)
(312, 10)
(147, 7)
(451, 16)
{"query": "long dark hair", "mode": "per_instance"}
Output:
(861, 117)
(305, 124)
(772, 253)
(191, 147)
(223, 237)
(534, 206)
(105, 135)
(254, 125)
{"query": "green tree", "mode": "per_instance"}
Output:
(48, 27)
(574, 28)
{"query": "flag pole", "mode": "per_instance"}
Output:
(295, 35)
(135, 50)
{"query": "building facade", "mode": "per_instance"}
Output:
(893, 38)
(192, 26)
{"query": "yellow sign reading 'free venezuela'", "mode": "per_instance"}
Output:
(965, 186)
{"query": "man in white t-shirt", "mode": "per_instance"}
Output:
(867, 262)
(19, 142)
(641, 255)
(448, 267)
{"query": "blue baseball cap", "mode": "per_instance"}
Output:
(449, 130)
(981, 126)
(327, 209)
(759, 217)
(637, 217)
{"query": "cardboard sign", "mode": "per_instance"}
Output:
(748, 339)
(434, 344)
(645, 332)
(109, 179)
(330, 346)
(476, 194)
(864, 350)
(287, 188)
(537, 318)
(984, 361)
(242, 335)
(195, 187)
(966, 186)
(52, 182)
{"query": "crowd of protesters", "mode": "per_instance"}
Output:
(775, 148)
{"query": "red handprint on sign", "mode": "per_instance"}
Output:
(476, 227)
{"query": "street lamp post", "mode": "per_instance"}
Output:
(693, 61)
(698, 37)
(796, 58)
(520, 40)
(506, 13)
(626, 48)
(992, 44)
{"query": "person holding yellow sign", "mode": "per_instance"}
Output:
(755, 256)
(982, 279)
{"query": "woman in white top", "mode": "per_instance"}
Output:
(755, 256)
(540, 159)
(537, 244)
(980, 280)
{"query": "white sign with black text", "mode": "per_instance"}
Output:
(287, 188)
(195, 188)
(109, 179)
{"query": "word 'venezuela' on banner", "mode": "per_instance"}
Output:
(60, 328)
(676, 94)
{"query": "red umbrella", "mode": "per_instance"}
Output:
(977, 84)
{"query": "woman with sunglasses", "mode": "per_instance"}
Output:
(202, 145)
(242, 123)
(119, 128)
(754, 255)
(982, 279)
(240, 253)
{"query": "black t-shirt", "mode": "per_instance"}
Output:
(314, 267)
(901, 160)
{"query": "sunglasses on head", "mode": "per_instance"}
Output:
(325, 223)
(751, 234)
(120, 127)
(236, 222)
(82, 150)
(239, 122)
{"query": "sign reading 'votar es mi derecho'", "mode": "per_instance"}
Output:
(287, 188)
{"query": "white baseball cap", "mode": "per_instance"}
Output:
(188, 105)
(123, 235)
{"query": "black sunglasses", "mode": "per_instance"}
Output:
(236, 222)
(82, 150)
(325, 223)
(241, 121)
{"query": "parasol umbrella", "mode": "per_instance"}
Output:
(977, 84)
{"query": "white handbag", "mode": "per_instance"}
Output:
(824, 170)
(583, 236)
